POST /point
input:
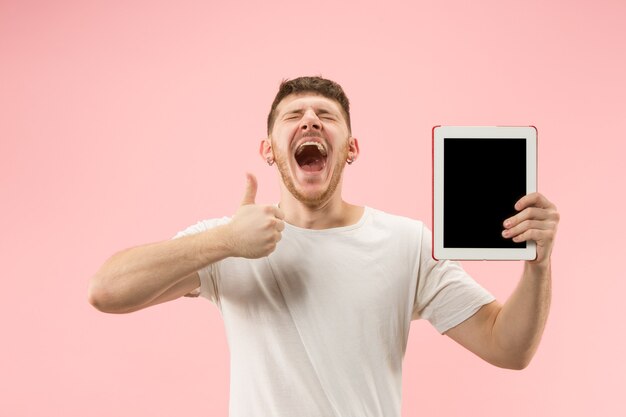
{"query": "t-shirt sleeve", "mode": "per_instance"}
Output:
(208, 278)
(446, 295)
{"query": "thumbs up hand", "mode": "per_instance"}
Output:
(254, 229)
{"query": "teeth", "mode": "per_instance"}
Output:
(319, 146)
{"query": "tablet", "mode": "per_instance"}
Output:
(479, 173)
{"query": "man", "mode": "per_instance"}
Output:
(318, 321)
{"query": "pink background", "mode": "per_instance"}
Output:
(122, 122)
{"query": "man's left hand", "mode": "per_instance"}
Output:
(537, 220)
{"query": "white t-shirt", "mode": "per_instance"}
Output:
(320, 326)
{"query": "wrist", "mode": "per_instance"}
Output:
(217, 244)
(538, 268)
(226, 241)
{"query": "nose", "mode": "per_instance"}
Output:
(310, 121)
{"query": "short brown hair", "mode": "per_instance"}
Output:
(315, 85)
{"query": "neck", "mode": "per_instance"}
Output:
(329, 214)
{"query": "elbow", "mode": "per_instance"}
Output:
(524, 361)
(518, 366)
(516, 362)
(102, 298)
(99, 298)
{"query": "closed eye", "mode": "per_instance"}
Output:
(326, 114)
(292, 116)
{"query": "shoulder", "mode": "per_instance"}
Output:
(203, 225)
(379, 217)
(399, 228)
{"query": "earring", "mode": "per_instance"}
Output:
(269, 161)
(350, 160)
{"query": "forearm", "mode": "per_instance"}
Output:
(136, 276)
(519, 325)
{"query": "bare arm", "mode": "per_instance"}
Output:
(134, 278)
(139, 277)
(508, 335)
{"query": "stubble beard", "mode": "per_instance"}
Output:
(318, 199)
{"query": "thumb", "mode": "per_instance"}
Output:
(251, 186)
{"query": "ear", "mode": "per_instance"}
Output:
(265, 150)
(353, 148)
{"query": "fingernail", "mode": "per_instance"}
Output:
(507, 223)
(505, 233)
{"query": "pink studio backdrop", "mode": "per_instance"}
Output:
(122, 122)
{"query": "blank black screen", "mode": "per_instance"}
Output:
(483, 179)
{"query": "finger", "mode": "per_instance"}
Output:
(530, 213)
(251, 187)
(533, 200)
(278, 213)
(273, 211)
(539, 236)
(280, 225)
(524, 226)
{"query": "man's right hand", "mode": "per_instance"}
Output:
(255, 230)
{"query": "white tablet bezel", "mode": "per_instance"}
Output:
(479, 132)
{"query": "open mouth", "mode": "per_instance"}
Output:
(311, 156)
